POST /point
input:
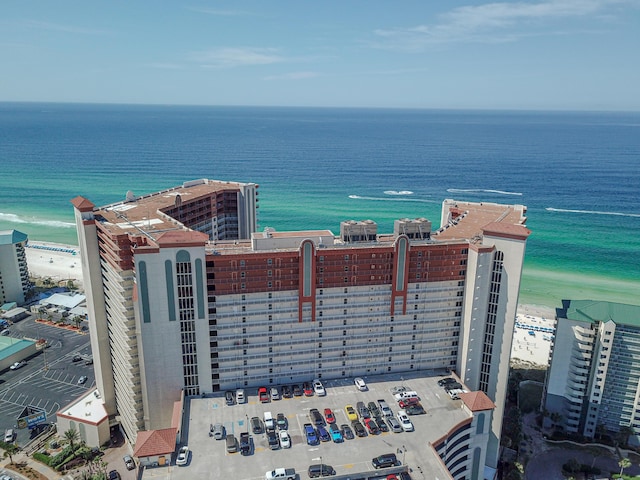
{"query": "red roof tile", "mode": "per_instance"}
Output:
(155, 442)
(475, 401)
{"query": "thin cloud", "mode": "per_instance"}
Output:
(57, 27)
(218, 12)
(231, 57)
(491, 22)
(293, 76)
(165, 66)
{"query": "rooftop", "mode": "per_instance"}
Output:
(89, 408)
(598, 311)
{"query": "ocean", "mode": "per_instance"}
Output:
(577, 172)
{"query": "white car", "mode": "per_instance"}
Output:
(403, 418)
(183, 456)
(318, 388)
(360, 384)
(285, 439)
(18, 365)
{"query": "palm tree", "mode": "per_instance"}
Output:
(10, 449)
(624, 463)
(72, 436)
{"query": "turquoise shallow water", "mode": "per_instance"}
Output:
(578, 174)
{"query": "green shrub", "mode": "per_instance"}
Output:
(42, 458)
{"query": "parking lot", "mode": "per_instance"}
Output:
(49, 380)
(209, 458)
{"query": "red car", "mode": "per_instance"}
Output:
(328, 414)
(408, 401)
(263, 396)
(307, 389)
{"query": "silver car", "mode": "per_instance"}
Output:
(394, 425)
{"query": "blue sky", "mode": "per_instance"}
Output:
(548, 54)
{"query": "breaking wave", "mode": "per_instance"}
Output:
(401, 192)
(387, 199)
(13, 218)
(481, 190)
(592, 212)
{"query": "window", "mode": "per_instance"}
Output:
(244, 297)
(270, 295)
(269, 273)
(269, 261)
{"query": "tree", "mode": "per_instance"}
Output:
(10, 449)
(623, 435)
(72, 436)
(77, 319)
(624, 463)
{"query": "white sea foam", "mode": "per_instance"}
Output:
(592, 212)
(482, 190)
(13, 218)
(387, 199)
(395, 192)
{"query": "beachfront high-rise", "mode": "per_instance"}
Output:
(183, 298)
(14, 272)
(593, 381)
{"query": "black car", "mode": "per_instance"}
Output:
(444, 381)
(287, 391)
(347, 432)
(452, 386)
(78, 358)
(359, 429)
(415, 410)
(281, 421)
(320, 470)
(384, 461)
(272, 438)
(297, 391)
(316, 416)
(256, 425)
(382, 424)
(245, 444)
(229, 398)
(114, 475)
(323, 434)
(373, 409)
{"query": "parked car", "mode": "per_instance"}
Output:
(316, 417)
(452, 386)
(328, 414)
(323, 434)
(415, 410)
(382, 425)
(217, 431)
(82, 380)
(320, 470)
(263, 396)
(318, 388)
(336, 433)
(311, 434)
(285, 439)
(183, 456)
(398, 389)
(229, 398)
(297, 391)
(272, 440)
(360, 384)
(384, 461)
(384, 408)
(347, 432)
(359, 429)
(394, 425)
(275, 394)
(408, 402)
(444, 381)
(245, 443)
(307, 389)
(287, 391)
(231, 443)
(363, 411)
(403, 418)
(373, 409)
(351, 413)
(9, 435)
(18, 365)
(76, 358)
(130, 464)
(114, 475)
(256, 425)
(281, 421)
(372, 426)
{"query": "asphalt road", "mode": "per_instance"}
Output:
(49, 380)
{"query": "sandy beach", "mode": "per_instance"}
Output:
(61, 263)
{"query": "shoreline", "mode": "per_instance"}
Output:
(56, 261)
